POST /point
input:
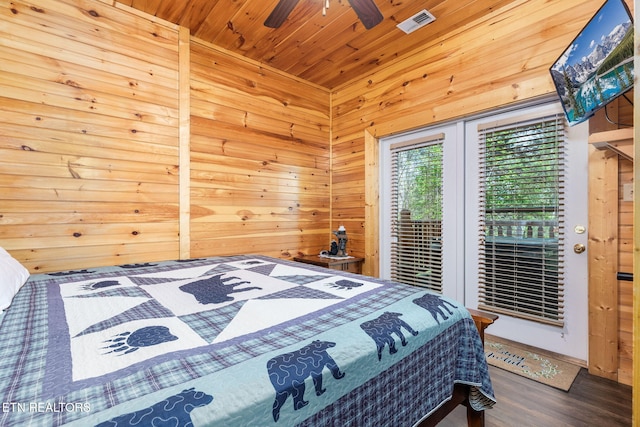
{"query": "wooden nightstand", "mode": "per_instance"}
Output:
(352, 265)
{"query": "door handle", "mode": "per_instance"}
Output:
(579, 248)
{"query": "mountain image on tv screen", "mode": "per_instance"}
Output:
(597, 67)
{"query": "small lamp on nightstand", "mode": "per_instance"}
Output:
(341, 234)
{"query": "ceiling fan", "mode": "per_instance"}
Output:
(366, 10)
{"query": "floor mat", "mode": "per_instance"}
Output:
(529, 363)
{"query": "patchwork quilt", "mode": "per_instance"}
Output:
(232, 341)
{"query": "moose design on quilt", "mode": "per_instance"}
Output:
(288, 372)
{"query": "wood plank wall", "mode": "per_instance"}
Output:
(621, 358)
(259, 159)
(611, 244)
(500, 60)
(94, 132)
(88, 141)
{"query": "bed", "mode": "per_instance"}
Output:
(243, 340)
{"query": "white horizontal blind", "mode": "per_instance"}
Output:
(416, 213)
(522, 219)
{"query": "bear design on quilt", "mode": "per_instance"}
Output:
(70, 273)
(346, 284)
(382, 328)
(100, 285)
(435, 305)
(288, 372)
(215, 289)
(138, 265)
(128, 342)
(173, 411)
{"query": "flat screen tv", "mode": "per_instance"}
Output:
(597, 67)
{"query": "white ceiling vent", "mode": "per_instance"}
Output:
(418, 20)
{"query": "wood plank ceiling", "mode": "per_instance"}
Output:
(326, 50)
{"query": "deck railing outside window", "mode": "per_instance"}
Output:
(519, 264)
(419, 252)
(521, 218)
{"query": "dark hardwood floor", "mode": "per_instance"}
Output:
(591, 401)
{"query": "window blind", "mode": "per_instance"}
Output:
(416, 213)
(522, 219)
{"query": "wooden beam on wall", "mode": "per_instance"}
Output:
(603, 256)
(636, 244)
(636, 266)
(372, 202)
(184, 88)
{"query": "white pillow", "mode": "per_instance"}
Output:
(12, 276)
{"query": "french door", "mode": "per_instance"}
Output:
(542, 295)
(421, 238)
(511, 255)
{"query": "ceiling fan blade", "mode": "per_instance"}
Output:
(280, 13)
(368, 12)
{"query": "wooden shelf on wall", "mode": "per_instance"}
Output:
(616, 142)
